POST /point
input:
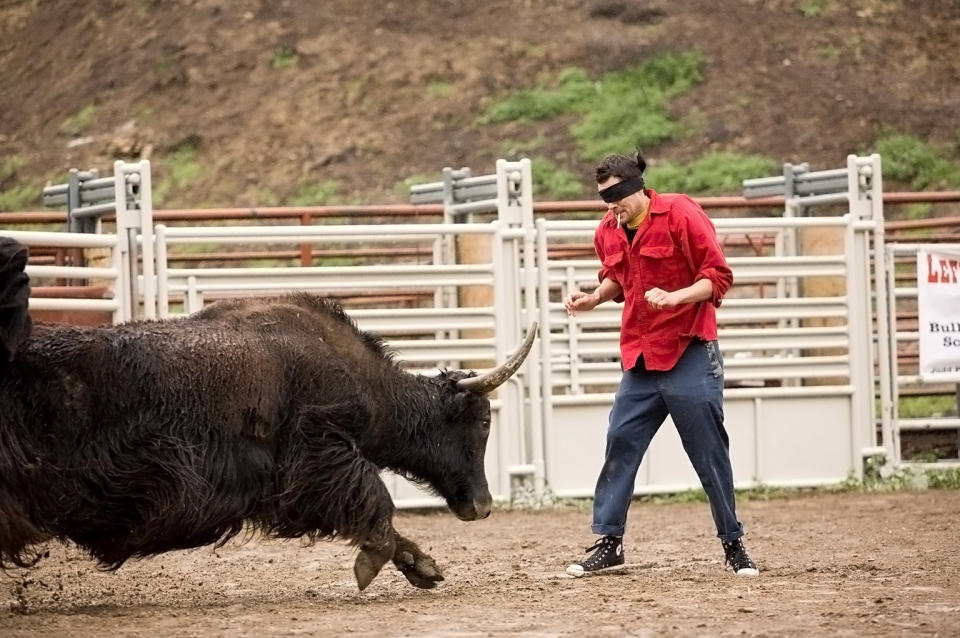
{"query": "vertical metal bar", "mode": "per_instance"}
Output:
(546, 355)
(855, 356)
(192, 300)
(882, 266)
(507, 393)
(73, 201)
(76, 255)
(147, 243)
(894, 411)
(117, 263)
(163, 289)
(449, 253)
(859, 207)
(133, 259)
(759, 475)
(573, 338)
(791, 245)
(306, 249)
(124, 286)
(532, 379)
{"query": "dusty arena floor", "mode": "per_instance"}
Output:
(831, 564)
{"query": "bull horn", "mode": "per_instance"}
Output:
(492, 380)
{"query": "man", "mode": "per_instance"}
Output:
(660, 256)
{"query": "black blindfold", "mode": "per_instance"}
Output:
(622, 189)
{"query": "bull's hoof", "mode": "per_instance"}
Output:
(417, 567)
(367, 566)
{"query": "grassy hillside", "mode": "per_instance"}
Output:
(294, 102)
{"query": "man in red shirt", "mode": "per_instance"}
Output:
(661, 258)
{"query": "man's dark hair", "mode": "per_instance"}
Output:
(621, 166)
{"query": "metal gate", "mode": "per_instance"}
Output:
(805, 335)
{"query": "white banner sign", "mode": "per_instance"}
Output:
(938, 299)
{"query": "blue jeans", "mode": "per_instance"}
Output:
(692, 393)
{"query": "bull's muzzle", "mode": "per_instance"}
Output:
(474, 511)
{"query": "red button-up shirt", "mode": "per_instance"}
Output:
(674, 247)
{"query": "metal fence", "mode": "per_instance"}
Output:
(806, 335)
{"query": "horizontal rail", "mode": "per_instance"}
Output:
(928, 424)
(71, 272)
(314, 234)
(66, 303)
(60, 240)
(436, 210)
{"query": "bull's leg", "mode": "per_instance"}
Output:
(418, 567)
(372, 557)
(329, 489)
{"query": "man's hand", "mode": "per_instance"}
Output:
(660, 299)
(580, 301)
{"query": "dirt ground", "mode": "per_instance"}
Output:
(831, 564)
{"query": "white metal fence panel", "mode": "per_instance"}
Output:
(799, 360)
(783, 429)
(903, 292)
(425, 339)
(112, 274)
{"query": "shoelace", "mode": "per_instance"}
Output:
(736, 554)
(600, 543)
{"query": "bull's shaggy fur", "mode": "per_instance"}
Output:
(152, 436)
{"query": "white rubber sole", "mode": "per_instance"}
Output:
(748, 572)
(577, 571)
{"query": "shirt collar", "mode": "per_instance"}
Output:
(657, 205)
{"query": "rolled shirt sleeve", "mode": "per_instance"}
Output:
(610, 265)
(705, 257)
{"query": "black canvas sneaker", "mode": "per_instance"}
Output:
(738, 558)
(607, 556)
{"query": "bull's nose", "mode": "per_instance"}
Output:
(482, 507)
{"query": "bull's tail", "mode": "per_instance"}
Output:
(14, 293)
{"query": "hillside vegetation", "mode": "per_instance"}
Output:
(271, 102)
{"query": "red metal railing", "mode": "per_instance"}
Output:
(945, 228)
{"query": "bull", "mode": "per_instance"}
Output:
(151, 436)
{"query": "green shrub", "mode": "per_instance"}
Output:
(315, 194)
(813, 8)
(714, 173)
(552, 182)
(79, 122)
(283, 57)
(568, 93)
(923, 165)
(622, 110)
(923, 406)
(631, 109)
(439, 88)
(20, 197)
(176, 170)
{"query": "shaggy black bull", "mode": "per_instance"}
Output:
(153, 436)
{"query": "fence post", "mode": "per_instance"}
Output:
(306, 250)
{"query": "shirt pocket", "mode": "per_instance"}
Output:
(664, 266)
(612, 267)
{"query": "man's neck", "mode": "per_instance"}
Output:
(634, 223)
